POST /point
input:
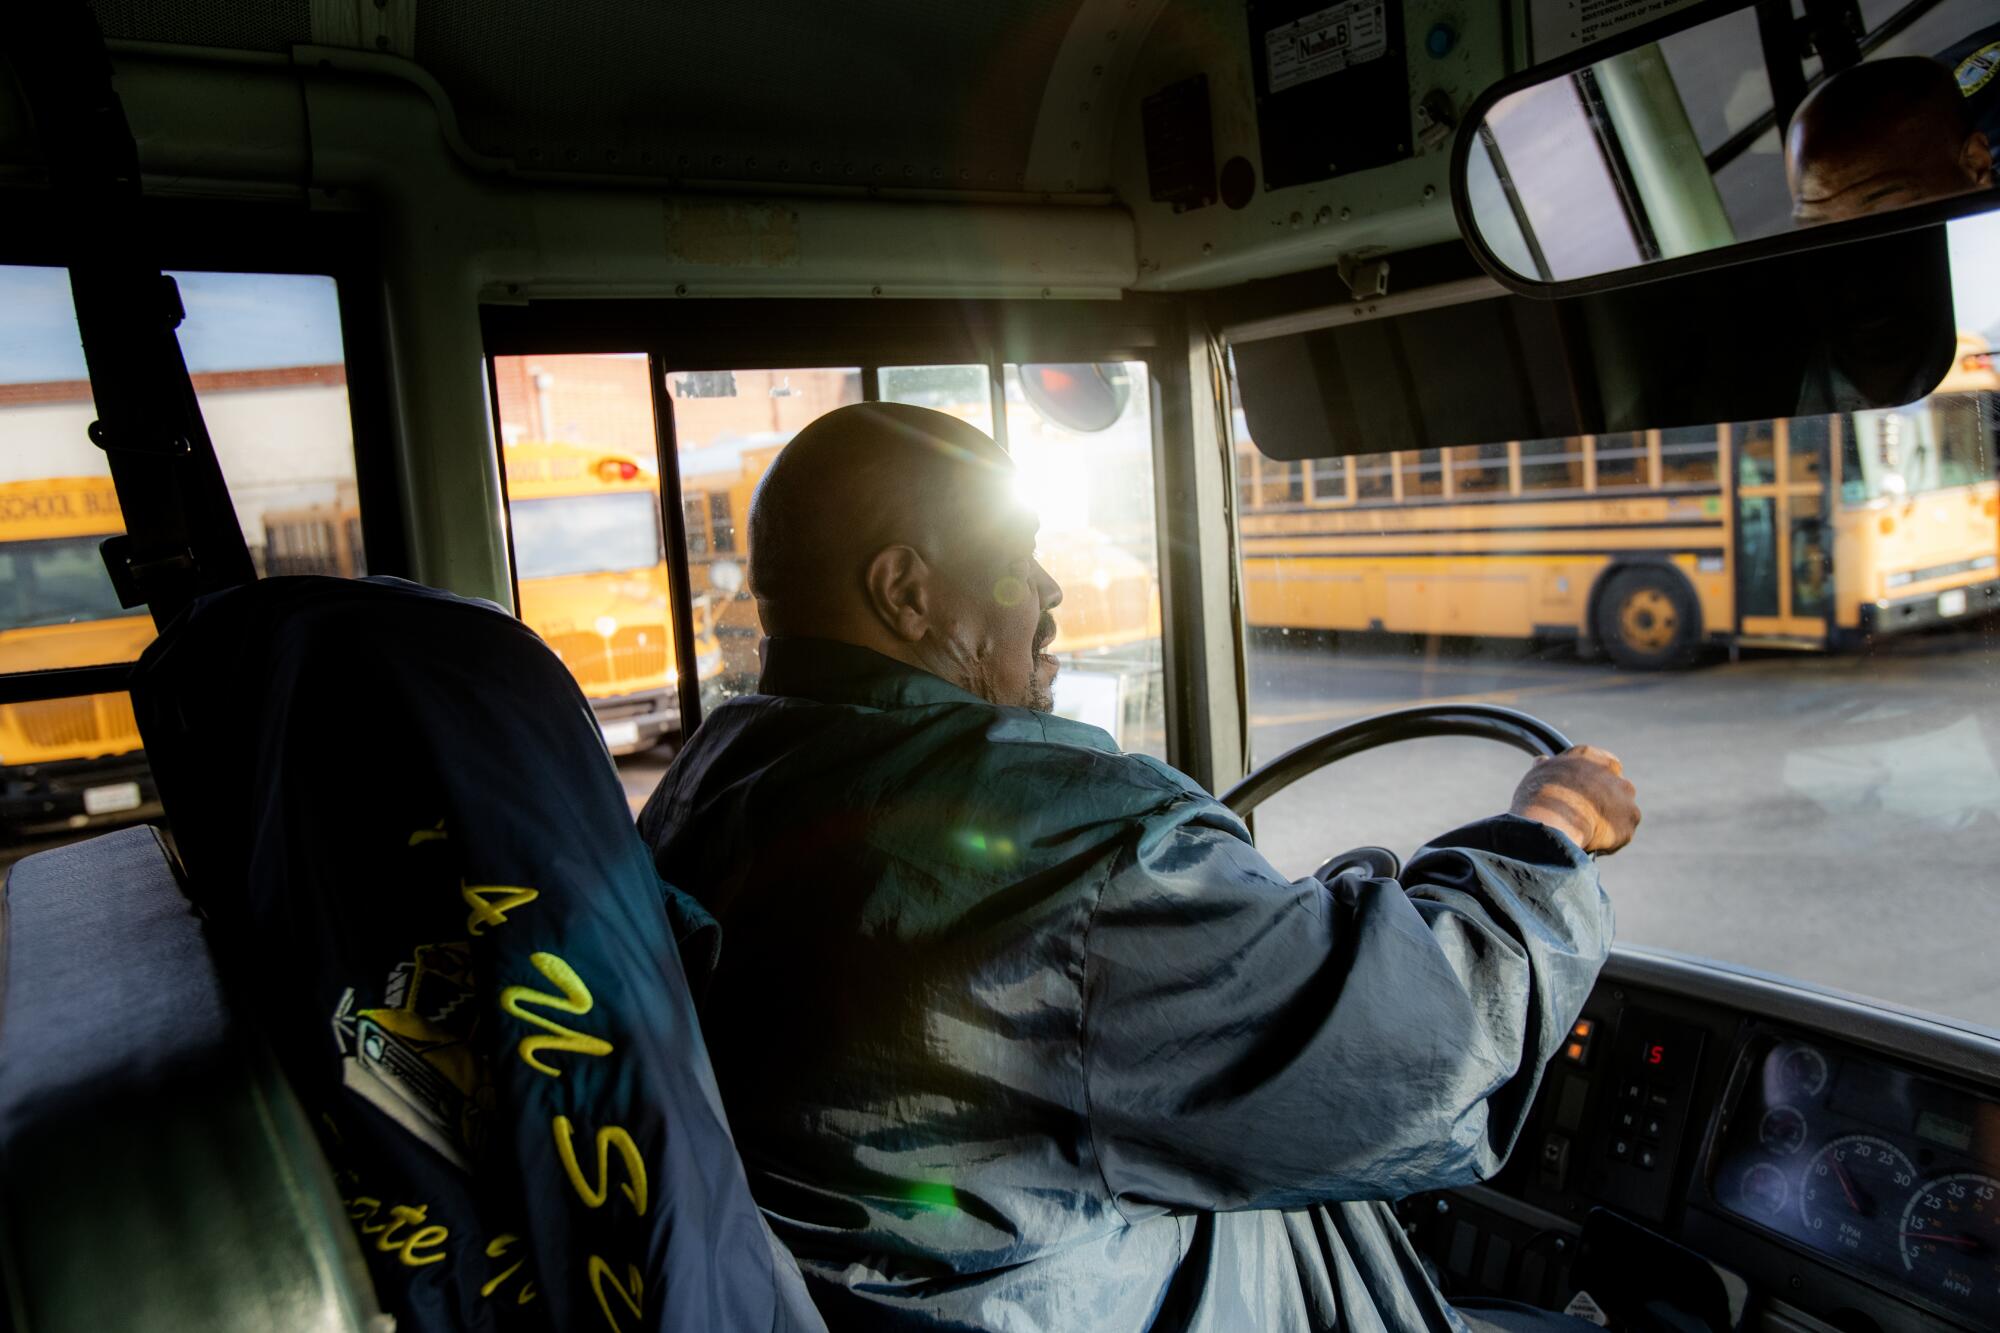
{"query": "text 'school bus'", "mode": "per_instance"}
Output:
(1792, 533)
(64, 762)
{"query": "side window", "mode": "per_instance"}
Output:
(1479, 469)
(1375, 476)
(1688, 456)
(1283, 483)
(1329, 480)
(722, 524)
(1622, 462)
(1552, 465)
(270, 373)
(1423, 473)
(694, 514)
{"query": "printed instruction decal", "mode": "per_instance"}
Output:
(1325, 42)
(1558, 27)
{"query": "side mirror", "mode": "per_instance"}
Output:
(1085, 397)
(1724, 134)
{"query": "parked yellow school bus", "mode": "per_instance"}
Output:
(590, 564)
(65, 762)
(1798, 533)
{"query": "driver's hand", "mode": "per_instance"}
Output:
(1582, 792)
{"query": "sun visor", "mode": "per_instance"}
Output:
(1831, 330)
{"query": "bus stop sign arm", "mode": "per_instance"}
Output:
(181, 536)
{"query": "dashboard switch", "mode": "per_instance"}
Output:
(1555, 1161)
(1621, 1148)
(1648, 1158)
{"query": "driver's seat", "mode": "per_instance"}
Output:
(422, 881)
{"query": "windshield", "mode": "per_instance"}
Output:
(55, 583)
(586, 534)
(1943, 442)
(1788, 630)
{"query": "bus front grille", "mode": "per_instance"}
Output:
(101, 719)
(634, 656)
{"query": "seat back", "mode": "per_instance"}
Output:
(155, 1170)
(397, 810)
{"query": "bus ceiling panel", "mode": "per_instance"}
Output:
(1673, 353)
(871, 94)
(1331, 132)
(1727, 133)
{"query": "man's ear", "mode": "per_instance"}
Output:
(898, 583)
(1975, 159)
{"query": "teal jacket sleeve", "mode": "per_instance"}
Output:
(1251, 1042)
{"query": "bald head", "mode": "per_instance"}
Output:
(896, 528)
(1883, 134)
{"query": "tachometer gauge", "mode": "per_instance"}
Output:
(1951, 1239)
(1801, 1071)
(1782, 1130)
(1851, 1194)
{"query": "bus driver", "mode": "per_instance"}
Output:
(1017, 1031)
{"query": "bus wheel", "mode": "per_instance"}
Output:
(1647, 618)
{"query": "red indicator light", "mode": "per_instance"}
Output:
(617, 469)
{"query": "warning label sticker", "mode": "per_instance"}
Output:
(1325, 42)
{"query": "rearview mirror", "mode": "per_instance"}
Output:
(1724, 134)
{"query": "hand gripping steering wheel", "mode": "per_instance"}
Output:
(1490, 722)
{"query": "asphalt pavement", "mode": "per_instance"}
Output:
(1834, 818)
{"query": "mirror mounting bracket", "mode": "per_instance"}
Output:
(1365, 278)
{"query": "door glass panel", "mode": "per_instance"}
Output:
(1085, 460)
(1806, 442)
(269, 372)
(964, 391)
(1756, 452)
(580, 459)
(1757, 555)
(1812, 556)
(727, 442)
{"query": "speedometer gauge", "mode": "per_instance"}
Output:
(1851, 1194)
(1951, 1239)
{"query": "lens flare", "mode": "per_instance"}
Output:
(1010, 591)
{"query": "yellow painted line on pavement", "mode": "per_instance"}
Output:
(1372, 706)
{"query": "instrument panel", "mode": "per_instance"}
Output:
(1890, 1173)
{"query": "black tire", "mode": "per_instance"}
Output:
(1647, 618)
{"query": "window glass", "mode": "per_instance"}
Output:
(579, 455)
(269, 372)
(1082, 440)
(1329, 479)
(1281, 482)
(1689, 456)
(1834, 726)
(964, 391)
(1479, 469)
(1552, 465)
(1621, 461)
(1423, 473)
(1375, 476)
(726, 446)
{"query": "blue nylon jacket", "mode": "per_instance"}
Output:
(1019, 1032)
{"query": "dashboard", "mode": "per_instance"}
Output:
(1834, 1165)
(1883, 1170)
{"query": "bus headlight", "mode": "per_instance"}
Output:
(606, 626)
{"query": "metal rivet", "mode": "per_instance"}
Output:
(1430, 191)
(784, 164)
(680, 289)
(715, 161)
(874, 291)
(1097, 71)
(646, 156)
(1298, 220)
(1444, 1205)
(878, 168)
(1323, 216)
(1111, 36)
(1208, 247)
(1083, 106)
(1346, 213)
(1045, 292)
(1069, 184)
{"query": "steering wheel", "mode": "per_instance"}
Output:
(1490, 722)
